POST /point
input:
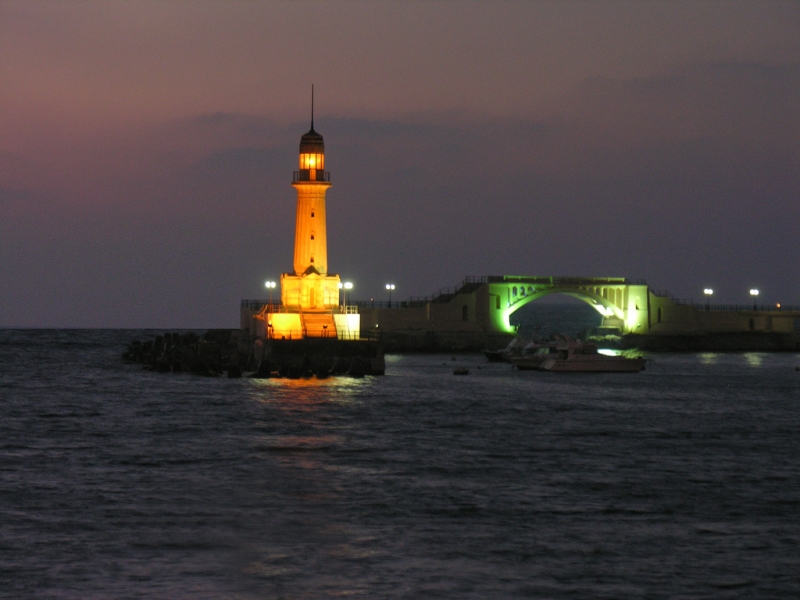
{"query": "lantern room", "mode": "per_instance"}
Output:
(312, 158)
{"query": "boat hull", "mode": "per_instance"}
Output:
(496, 355)
(527, 363)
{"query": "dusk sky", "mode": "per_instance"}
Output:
(147, 149)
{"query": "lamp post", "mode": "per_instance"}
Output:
(347, 285)
(270, 285)
(708, 292)
(754, 294)
(390, 287)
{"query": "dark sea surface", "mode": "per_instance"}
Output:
(567, 315)
(679, 482)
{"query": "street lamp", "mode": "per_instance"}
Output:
(708, 292)
(270, 285)
(344, 287)
(390, 287)
(754, 294)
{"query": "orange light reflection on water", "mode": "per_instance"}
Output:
(300, 400)
(308, 392)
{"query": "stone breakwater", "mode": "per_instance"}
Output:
(236, 354)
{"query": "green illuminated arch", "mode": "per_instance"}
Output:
(630, 316)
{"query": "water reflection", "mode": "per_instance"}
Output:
(308, 391)
(299, 451)
(754, 359)
(709, 358)
(305, 408)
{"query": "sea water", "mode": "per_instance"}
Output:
(682, 481)
(541, 319)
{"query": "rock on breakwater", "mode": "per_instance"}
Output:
(238, 354)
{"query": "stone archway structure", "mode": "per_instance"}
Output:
(622, 303)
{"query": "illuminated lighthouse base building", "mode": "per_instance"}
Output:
(310, 306)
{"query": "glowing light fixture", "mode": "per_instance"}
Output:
(607, 311)
(754, 293)
(309, 160)
(608, 351)
(347, 285)
(270, 285)
(390, 287)
(708, 292)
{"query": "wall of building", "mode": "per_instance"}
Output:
(430, 316)
(312, 292)
(669, 318)
(348, 327)
(286, 326)
(311, 240)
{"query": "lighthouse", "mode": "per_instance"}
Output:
(311, 182)
(310, 294)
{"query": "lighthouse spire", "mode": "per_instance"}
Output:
(312, 107)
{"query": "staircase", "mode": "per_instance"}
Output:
(318, 325)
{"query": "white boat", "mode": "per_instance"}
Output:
(533, 355)
(577, 357)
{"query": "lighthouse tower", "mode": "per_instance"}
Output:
(310, 288)
(310, 295)
(311, 183)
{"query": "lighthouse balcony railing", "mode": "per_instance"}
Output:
(260, 305)
(277, 307)
(311, 175)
